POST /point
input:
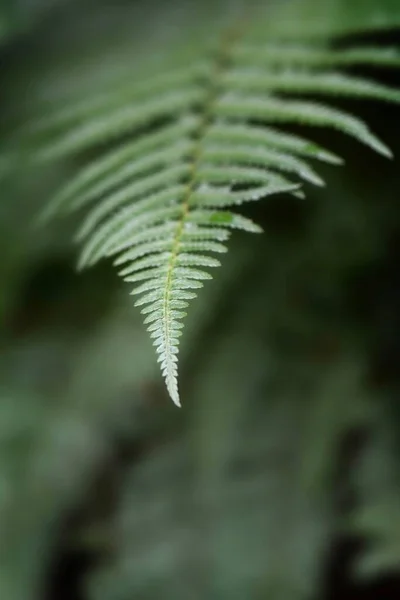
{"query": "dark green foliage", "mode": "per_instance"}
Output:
(156, 133)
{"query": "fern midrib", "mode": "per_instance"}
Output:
(221, 64)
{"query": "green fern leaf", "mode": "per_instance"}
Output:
(294, 82)
(314, 57)
(178, 142)
(271, 110)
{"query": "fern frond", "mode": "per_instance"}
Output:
(191, 138)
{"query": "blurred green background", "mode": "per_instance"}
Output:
(279, 479)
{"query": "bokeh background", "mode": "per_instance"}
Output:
(279, 479)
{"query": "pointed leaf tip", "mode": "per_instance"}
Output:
(174, 395)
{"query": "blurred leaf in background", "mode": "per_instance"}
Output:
(16, 16)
